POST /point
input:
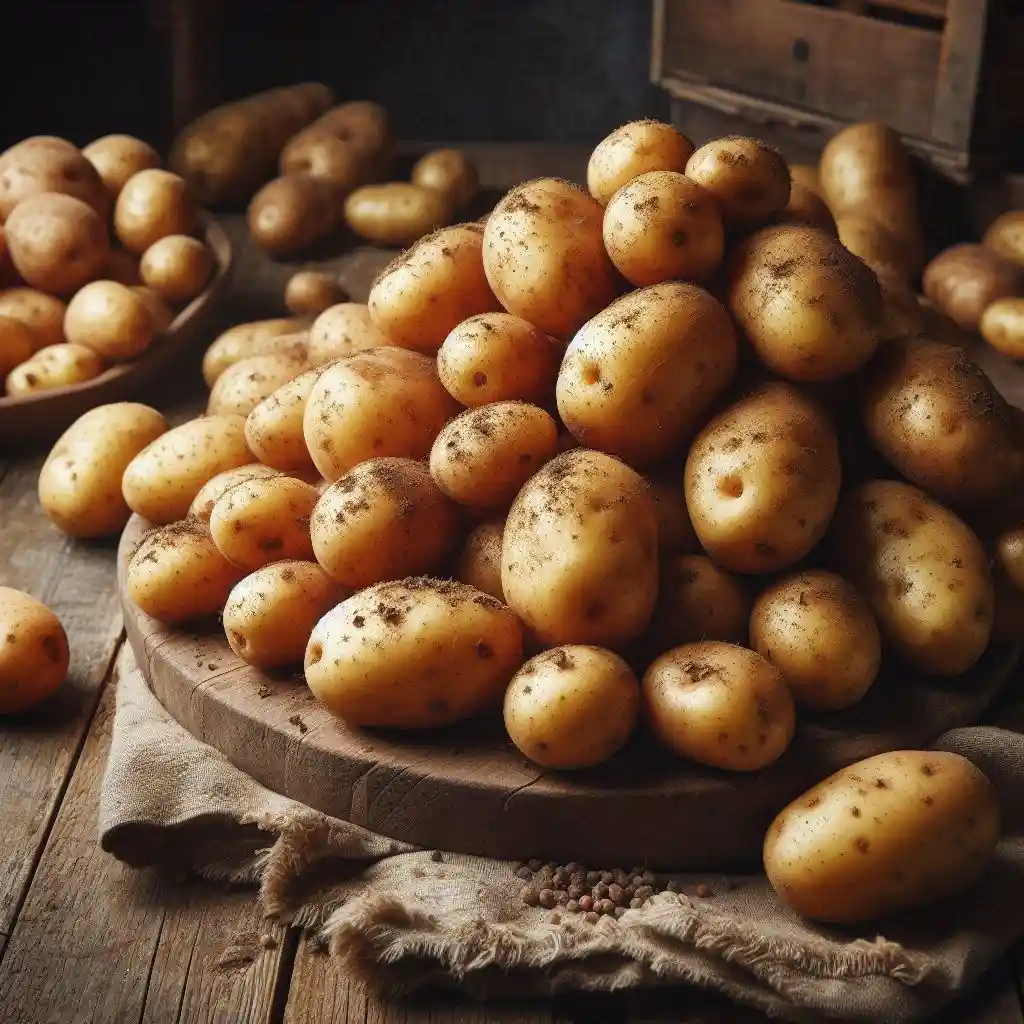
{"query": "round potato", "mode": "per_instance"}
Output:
(485, 455)
(862, 162)
(291, 214)
(719, 704)
(152, 205)
(820, 634)
(33, 651)
(43, 314)
(497, 357)
(808, 209)
(479, 562)
(579, 560)
(110, 319)
(162, 314)
(43, 164)
(214, 488)
(1002, 326)
(762, 479)
(57, 243)
(342, 330)
(634, 149)
(544, 256)
(572, 707)
(56, 366)
(177, 268)
(964, 280)
(122, 267)
(325, 157)
(806, 176)
(413, 654)
(238, 342)
(273, 430)
(242, 386)
(840, 852)
(1005, 236)
(17, 343)
(396, 213)
(450, 172)
(748, 180)
(675, 531)
(383, 520)
(312, 292)
(117, 158)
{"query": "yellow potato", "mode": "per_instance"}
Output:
(110, 319)
(479, 562)
(177, 268)
(675, 531)
(56, 366)
(412, 654)
(43, 314)
(80, 482)
(749, 181)
(33, 651)
(17, 343)
(44, 163)
(217, 486)
(383, 520)
(879, 243)
(1009, 552)
(450, 172)
(343, 330)
(312, 292)
(863, 162)
(1002, 326)
(161, 482)
(572, 707)
(162, 314)
(806, 177)
(396, 213)
(580, 552)
(636, 148)
(719, 704)
(484, 456)
(807, 208)
(1005, 236)
(152, 205)
(242, 386)
(964, 280)
(897, 830)
(429, 290)
(293, 213)
(273, 430)
(762, 479)
(117, 158)
(614, 391)
(237, 343)
(820, 634)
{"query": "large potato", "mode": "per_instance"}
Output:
(396, 213)
(634, 149)
(273, 430)
(1005, 236)
(17, 343)
(748, 180)
(291, 214)
(238, 343)
(412, 654)
(117, 158)
(43, 314)
(80, 482)
(242, 386)
(209, 494)
(347, 146)
(545, 258)
(894, 831)
(450, 172)
(862, 162)
(56, 366)
(479, 562)
(924, 573)
(33, 651)
(964, 280)
(44, 163)
(153, 204)
(110, 319)
(762, 479)
(342, 330)
(580, 552)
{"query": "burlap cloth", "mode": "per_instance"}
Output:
(406, 918)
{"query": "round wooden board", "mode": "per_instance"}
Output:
(467, 790)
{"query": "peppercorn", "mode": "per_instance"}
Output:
(615, 892)
(591, 918)
(573, 906)
(546, 899)
(601, 890)
(528, 894)
(586, 903)
(621, 878)
(578, 878)
(607, 877)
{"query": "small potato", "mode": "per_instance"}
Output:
(579, 561)
(841, 852)
(383, 520)
(483, 457)
(396, 213)
(863, 162)
(161, 482)
(660, 227)
(237, 343)
(964, 280)
(241, 387)
(675, 531)
(57, 243)
(479, 563)
(805, 176)
(44, 163)
(429, 290)
(1005, 236)
(922, 570)
(413, 654)
(312, 291)
(177, 268)
(719, 704)
(572, 707)
(217, 486)
(177, 575)
(263, 520)
(749, 181)
(110, 319)
(291, 214)
(1009, 552)
(269, 615)
(496, 357)
(762, 479)
(43, 314)
(33, 651)
(636, 148)
(122, 267)
(544, 256)
(343, 330)
(152, 205)
(328, 159)
(56, 366)
(1002, 326)
(807, 208)
(450, 172)
(273, 430)
(117, 158)
(820, 634)
(17, 343)
(80, 482)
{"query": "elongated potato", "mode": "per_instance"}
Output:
(636, 148)
(202, 505)
(964, 280)
(862, 163)
(343, 330)
(237, 343)
(749, 181)
(273, 430)
(242, 386)
(293, 213)
(56, 366)
(479, 562)
(450, 172)
(396, 213)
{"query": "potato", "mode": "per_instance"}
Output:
(863, 162)
(748, 180)
(9, 277)
(894, 831)
(572, 707)
(675, 531)
(385, 401)
(346, 147)
(33, 651)
(152, 205)
(634, 149)
(882, 245)
(396, 213)
(484, 456)
(291, 214)
(1005, 236)
(1009, 554)
(269, 615)
(820, 634)
(1002, 326)
(364, 127)
(110, 319)
(383, 520)
(241, 387)
(805, 176)
(932, 412)
(45, 164)
(450, 172)
(429, 290)
(544, 256)
(118, 158)
(43, 314)
(762, 479)
(273, 430)
(479, 562)
(719, 704)
(413, 654)
(57, 243)
(214, 488)
(312, 291)
(938, 326)
(613, 392)
(56, 366)
(496, 357)
(177, 268)
(17, 343)
(122, 267)
(237, 343)
(177, 575)
(579, 558)
(964, 280)
(161, 482)
(807, 208)
(80, 482)
(923, 572)
(343, 330)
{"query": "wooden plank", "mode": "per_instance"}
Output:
(960, 66)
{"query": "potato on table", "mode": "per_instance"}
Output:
(44, 163)
(242, 386)
(450, 172)
(310, 292)
(291, 214)
(117, 158)
(43, 314)
(342, 330)
(177, 268)
(56, 366)
(110, 319)
(749, 181)
(396, 213)
(964, 280)
(479, 562)
(273, 430)
(238, 342)
(152, 205)
(33, 651)
(636, 148)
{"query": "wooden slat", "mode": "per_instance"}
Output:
(956, 92)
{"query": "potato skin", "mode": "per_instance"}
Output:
(17, 343)
(237, 343)
(807, 208)
(840, 852)
(922, 570)
(43, 314)
(862, 162)
(273, 430)
(343, 330)
(964, 280)
(153, 204)
(117, 158)
(33, 651)
(110, 319)
(1002, 326)
(749, 181)
(880, 243)
(1005, 236)
(450, 172)
(806, 176)
(56, 366)
(631, 150)
(202, 504)
(396, 213)
(177, 268)
(479, 562)
(242, 386)
(311, 292)
(413, 654)
(44, 163)
(572, 707)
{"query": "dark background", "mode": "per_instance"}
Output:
(514, 70)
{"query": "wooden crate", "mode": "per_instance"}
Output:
(945, 73)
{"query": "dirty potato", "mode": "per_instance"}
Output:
(56, 366)
(342, 330)
(33, 651)
(238, 342)
(479, 562)
(202, 505)
(242, 386)
(748, 180)
(636, 148)
(273, 430)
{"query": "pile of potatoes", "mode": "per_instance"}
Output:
(97, 252)
(657, 454)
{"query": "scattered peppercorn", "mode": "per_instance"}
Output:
(528, 894)
(547, 899)
(586, 903)
(615, 892)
